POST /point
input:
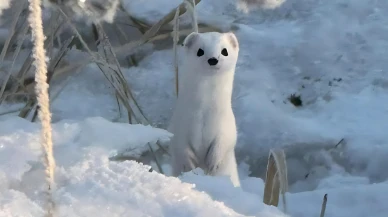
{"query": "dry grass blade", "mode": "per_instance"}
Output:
(276, 178)
(57, 59)
(163, 36)
(272, 188)
(190, 5)
(162, 148)
(19, 44)
(184, 32)
(175, 40)
(73, 68)
(153, 30)
(32, 103)
(111, 70)
(140, 25)
(53, 65)
(95, 57)
(323, 209)
(9, 112)
(117, 78)
(112, 74)
(20, 7)
(123, 38)
(53, 29)
(155, 158)
(27, 108)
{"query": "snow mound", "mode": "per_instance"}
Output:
(15, 203)
(88, 183)
(20, 147)
(98, 187)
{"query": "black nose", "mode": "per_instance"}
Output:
(212, 61)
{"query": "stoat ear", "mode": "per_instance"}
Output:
(190, 39)
(231, 37)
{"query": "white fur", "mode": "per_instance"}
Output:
(203, 116)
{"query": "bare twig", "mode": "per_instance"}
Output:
(339, 143)
(323, 209)
(156, 159)
(175, 41)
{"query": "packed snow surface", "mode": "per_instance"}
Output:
(89, 184)
(330, 52)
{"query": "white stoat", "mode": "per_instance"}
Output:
(203, 122)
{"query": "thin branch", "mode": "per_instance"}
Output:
(323, 209)
(156, 160)
(175, 41)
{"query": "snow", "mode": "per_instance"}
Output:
(354, 197)
(4, 4)
(332, 53)
(211, 12)
(87, 182)
(248, 5)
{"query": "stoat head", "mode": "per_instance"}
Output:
(212, 51)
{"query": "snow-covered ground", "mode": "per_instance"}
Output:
(331, 52)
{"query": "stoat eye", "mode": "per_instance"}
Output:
(224, 52)
(200, 52)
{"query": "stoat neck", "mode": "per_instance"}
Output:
(202, 89)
